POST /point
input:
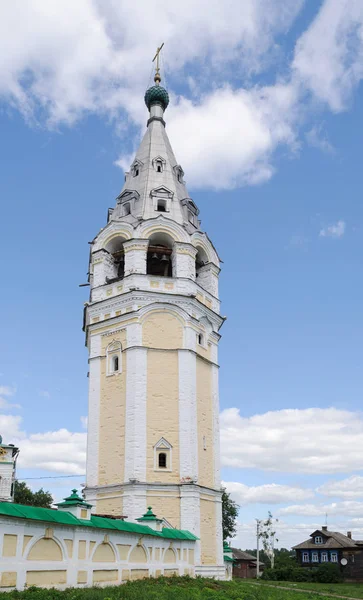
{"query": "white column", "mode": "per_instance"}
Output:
(184, 260)
(93, 425)
(135, 256)
(219, 531)
(190, 514)
(215, 403)
(134, 501)
(135, 423)
(188, 418)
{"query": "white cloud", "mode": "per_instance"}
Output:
(312, 440)
(348, 508)
(317, 138)
(58, 451)
(336, 230)
(6, 392)
(270, 493)
(44, 394)
(329, 55)
(352, 487)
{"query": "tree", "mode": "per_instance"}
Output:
(229, 515)
(24, 495)
(267, 533)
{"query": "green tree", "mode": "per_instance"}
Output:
(268, 537)
(229, 515)
(24, 495)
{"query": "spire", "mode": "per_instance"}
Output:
(155, 184)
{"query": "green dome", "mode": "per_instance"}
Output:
(156, 94)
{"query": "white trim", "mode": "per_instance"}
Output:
(135, 421)
(188, 420)
(160, 445)
(93, 411)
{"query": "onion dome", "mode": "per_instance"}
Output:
(157, 95)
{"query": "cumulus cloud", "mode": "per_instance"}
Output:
(352, 487)
(347, 508)
(58, 451)
(270, 493)
(63, 60)
(312, 440)
(336, 230)
(7, 392)
(329, 55)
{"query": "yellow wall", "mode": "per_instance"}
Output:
(112, 418)
(109, 506)
(205, 424)
(45, 549)
(103, 576)
(8, 579)
(82, 577)
(104, 553)
(9, 544)
(169, 556)
(69, 544)
(138, 555)
(139, 573)
(167, 506)
(45, 578)
(123, 551)
(125, 575)
(162, 411)
(26, 540)
(162, 330)
(82, 549)
(208, 531)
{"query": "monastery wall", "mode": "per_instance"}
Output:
(52, 555)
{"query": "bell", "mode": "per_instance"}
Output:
(164, 258)
(154, 256)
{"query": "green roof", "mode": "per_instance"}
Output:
(149, 516)
(74, 500)
(156, 95)
(62, 517)
(227, 558)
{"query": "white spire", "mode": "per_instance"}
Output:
(155, 185)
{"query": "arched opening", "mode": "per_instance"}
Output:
(158, 167)
(161, 206)
(201, 259)
(115, 364)
(116, 248)
(159, 253)
(200, 339)
(162, 462)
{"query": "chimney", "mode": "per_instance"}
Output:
(349, 534)
(324, 528)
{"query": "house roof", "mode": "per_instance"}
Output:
(333, 540)
(241, 555)
(63, 517)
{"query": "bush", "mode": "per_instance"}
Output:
(326, 573)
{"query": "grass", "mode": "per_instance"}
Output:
(351, 590)
(175, 588)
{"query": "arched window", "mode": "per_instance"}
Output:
(200, 339)
(162, 460)
(201, 259)
(159, 254)
(113, 358)
(161, 206)
(116, 270)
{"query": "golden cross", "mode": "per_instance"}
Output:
(157, 58)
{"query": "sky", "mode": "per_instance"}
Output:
(266, 119)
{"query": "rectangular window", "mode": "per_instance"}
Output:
(315, 557)
(324, 557)
(318, 539)
(334, 557)
(305, 557)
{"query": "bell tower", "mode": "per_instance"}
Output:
(151, 325)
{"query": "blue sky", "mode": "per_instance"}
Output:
(266, 119)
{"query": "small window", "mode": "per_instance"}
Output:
(315, 557)
(136, 172)
(351, 558)
(334, 557)
(200, 339)
(324, 557)
(127, 209)
(159, 167)
(161, 206)
(162, 460)
(305, 557)
(115, 364)
(318, 539)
